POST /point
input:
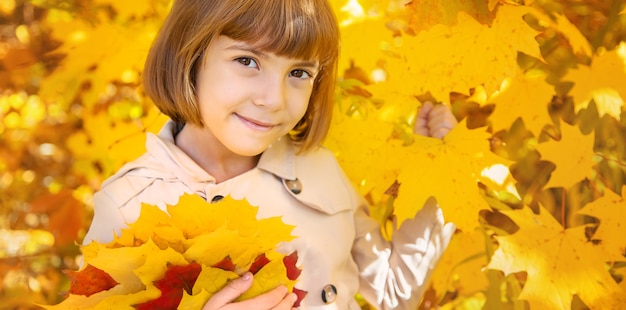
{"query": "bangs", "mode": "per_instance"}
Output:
(292, 28)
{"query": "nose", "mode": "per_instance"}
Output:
(272, 93)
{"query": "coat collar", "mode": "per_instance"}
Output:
(278, 159)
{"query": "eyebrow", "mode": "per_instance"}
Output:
(250, 49)
(246, 48)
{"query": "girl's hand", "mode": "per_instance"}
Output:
(276, 299)
(434, 120)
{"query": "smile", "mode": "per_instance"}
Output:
(254, 124)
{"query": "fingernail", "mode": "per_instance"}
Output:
(247, 276)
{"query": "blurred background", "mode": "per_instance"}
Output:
(72, 112)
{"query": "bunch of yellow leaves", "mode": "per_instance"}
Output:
(180, 258)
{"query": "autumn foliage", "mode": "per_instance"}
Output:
(179, 257)
(534, 176)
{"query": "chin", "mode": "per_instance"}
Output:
(248, 151)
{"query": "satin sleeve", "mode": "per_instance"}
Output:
(395, 275)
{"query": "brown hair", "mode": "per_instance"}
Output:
(305, 29)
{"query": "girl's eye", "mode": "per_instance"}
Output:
(247, 61)
(301, 74)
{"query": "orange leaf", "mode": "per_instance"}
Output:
(65, 215)
(89, 281)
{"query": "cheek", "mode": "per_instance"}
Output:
(299, 111)
(303, 103)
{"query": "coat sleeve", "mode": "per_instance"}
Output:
(107, 220)
(119, 192)
(395, 275)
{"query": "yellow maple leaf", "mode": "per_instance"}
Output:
(461, 266)
(427, 13)
(355, 52)
(209, 282)
(604, 81)
(362, 161)
(212, 248)
(610, 210)
(448, 169)
(466, 54)
(196, 217)
(572, 154)
(155, 225)
(559, 263)
(212, 280)
(526, 97)
(395, 107)
(269, 277)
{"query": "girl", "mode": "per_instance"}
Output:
(248, 86)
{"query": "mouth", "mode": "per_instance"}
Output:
(255, 124)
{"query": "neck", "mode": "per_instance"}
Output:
(201, 146)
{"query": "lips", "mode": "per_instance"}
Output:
(255, 124)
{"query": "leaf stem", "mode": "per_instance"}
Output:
(563, 194)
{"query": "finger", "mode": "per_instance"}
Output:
(440, 113)
(441, 121)
(229, 293)
(287, 302)
(440, 128)
(421, 121)
(440, 132)
(424, 110)
(269, 300)
(421, 128)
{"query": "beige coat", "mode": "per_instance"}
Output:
(337, 243)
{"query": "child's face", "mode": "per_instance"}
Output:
(250, 98)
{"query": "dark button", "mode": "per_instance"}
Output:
(217, 198)
(329, 294)
(295, 186)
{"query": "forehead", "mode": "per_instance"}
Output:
(298, 29)
(227, 44)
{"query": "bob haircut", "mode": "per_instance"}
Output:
(303, 29)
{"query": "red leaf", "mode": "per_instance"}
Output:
(290, 261)
(225, 264)
(259, 262)
(89, 281)
(301, 294)
(175, 280)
